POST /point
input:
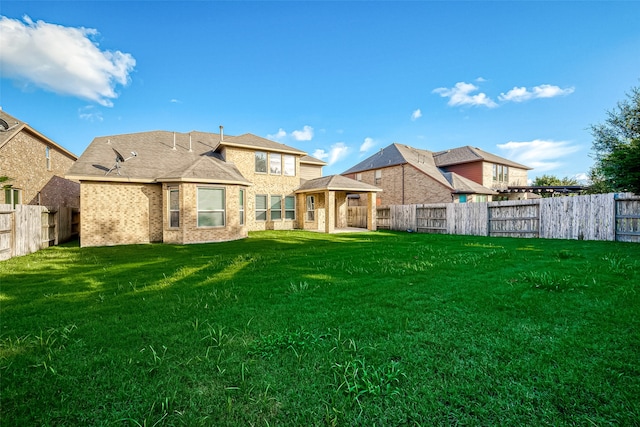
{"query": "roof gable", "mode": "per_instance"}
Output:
(336, 183)
(15, 126)
(468, 154)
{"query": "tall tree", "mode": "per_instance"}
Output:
(551, 180)
(617, 147)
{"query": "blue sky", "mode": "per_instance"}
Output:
(339, 80)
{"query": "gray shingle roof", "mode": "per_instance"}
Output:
(464, 185)
(312, 161)
(158, 158)
(336, 183)
(469, 154)
(252, 141)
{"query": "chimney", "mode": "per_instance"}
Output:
(221, 133)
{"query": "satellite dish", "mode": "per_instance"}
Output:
(120, 159)
(4, 125)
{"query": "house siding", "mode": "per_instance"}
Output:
(475, 171)
(120, 213)
(23, 160)
(309, 172)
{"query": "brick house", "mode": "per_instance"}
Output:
(481, 167)
(35, 166)
(202, 187)
(412, 176)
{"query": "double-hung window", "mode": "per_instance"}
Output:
(290, 207)
(47, 154)
(174, 207)
(275, 164)
(289, 165)
(261, 207)
(378, 176)
(211, 207)
(12, 196)
(311, 208)
(261, 162)
(276, 208)
(241, 205)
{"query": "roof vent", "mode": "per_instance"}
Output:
(221, 133)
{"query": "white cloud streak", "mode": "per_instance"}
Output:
(461, 94)
(367, 145)
(541, 155)
(416, 115)
(521, 94)
(306, 134)
(278, 135)
(63, 60)
(337, 152)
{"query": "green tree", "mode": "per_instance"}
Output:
(551, 180)
(617, 147)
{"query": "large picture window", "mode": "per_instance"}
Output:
(311, 208)
(275, 164)
(261, 162)
(261, 207)
(174, 207)
(276, 207)
(289, 165)
(211, 207)
(290, 207)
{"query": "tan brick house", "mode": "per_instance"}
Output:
(412, 176)
(203, 187)
(36, 167)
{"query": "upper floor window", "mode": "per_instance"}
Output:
(500, 173)
(47, 154)
(261, 162)
(174, 207)
(289, 165)
(275, 164)
(378, 176)
(211, 207)
(359, 176)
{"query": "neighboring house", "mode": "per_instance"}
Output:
(202, 187)
(484, 168)
(35, 166)
(411, 176)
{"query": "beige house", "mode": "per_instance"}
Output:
(202, 187)
(412, 176)
(35, 166)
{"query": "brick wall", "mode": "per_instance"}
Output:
(418, 186)
(120, 213)
(23, 159)
(263, 183)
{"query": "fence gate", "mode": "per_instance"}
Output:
(515, 219)
(628, 219)
(6, 234)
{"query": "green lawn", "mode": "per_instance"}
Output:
(299, 328)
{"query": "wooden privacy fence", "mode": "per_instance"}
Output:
(27, 228)
(595, 217)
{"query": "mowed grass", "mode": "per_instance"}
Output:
(299, 328)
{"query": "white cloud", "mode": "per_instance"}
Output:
(306, 134)
(367, 144)
(337, 152)
(416, 114)
(63, 60)
(278, 135)
(461, 94)
(539, 154)
(520, 94)
(90, 113)
(175, 101)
